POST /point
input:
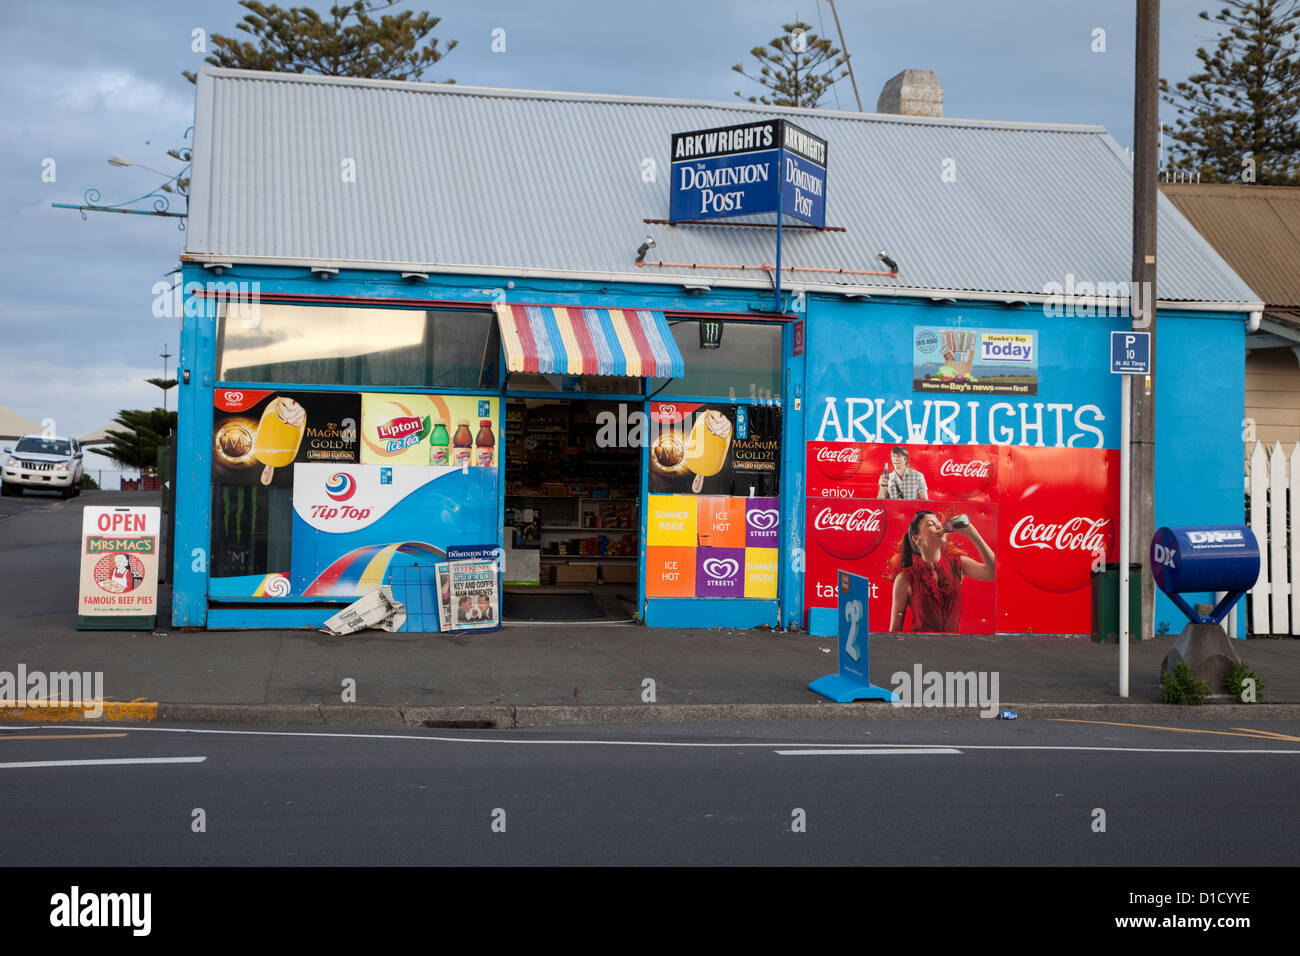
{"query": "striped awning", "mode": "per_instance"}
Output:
(568, 340)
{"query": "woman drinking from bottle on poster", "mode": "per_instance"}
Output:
(930, 578)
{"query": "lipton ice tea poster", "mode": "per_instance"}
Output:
(450, 430)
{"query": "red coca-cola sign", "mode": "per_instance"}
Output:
(882, 563)
(1049, 514)
(1077, 534)
(1057, 523)
(838, 462)
(845, 469)
(847, 529)
(963, 471)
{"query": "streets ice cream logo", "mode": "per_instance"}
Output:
(762, 519)
(721, 569)
(340, 486)
(849, 533)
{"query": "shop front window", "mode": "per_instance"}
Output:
(300, 345)
(745, 365)
(585, 384)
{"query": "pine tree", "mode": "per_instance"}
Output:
(798, 67)
(137, 447)
(298, 40)
(1239, 118)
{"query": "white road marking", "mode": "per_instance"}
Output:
(663, 743)
(99, 763)
(868, 752)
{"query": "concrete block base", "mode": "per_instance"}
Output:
(1207, 651)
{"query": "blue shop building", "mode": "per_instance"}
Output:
(426, 322)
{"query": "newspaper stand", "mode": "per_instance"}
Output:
(1204, 558)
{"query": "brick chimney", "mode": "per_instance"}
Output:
(912, 93)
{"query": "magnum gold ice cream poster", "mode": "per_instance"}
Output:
(257, 435)
(715, 449)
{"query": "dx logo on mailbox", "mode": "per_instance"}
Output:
(1162, 555)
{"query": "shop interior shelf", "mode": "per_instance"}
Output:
(578, 527)
(588, 557)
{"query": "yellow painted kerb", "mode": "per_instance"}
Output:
(144, 710)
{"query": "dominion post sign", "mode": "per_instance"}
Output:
(752, 168)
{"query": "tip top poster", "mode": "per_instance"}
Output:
(974, 361)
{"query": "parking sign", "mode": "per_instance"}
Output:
(1130, 353)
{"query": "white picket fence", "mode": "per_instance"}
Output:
(1275, 598)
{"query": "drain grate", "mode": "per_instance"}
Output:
(461, 724)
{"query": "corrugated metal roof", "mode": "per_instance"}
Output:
(511, 180)
(1255, 228)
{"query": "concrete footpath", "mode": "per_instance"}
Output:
(533, 675)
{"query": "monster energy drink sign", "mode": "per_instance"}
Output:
(711, 334)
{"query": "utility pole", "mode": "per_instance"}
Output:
(1142, 296)
(848, 60)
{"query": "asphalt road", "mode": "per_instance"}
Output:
(32, 501)
(891, 793)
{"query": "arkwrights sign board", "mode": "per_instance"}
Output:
(119, 569)
(758, 167)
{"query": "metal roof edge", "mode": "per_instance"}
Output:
(671, 279)
(632, 100)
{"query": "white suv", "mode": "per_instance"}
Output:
(42, 461)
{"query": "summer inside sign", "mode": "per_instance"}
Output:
(712, 546)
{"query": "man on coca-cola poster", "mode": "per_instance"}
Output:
(931, 573)
(906, 483)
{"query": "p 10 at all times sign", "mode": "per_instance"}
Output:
(1047, 516)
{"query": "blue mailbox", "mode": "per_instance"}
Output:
(1205, 558)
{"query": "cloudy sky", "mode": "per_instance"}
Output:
(88, 79)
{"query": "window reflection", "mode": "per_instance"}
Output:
(315, 345)
(746, 365)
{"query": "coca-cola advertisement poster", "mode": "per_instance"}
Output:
(715, 449)
(927, 562)
(1047, 517)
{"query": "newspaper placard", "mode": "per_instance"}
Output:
(474, 600)
(444, 596)
(119, 568)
